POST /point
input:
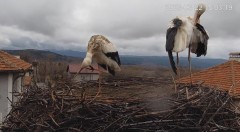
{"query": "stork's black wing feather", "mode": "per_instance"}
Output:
(201, 28)
(114, 56)
(171, 59)
(103, 66)
(111, 71)
(202, 45)
(171, 33)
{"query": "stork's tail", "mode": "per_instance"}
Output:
(174, 68)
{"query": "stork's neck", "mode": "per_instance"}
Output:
(196, 17)
(89, 55)
(88, 59)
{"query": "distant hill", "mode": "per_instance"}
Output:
(70, 53)
(32, 54)
(151, 60)
(164, 61)
(76, 57)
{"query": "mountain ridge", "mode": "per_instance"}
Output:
(30, 55)
(76, 57)
(152, 60)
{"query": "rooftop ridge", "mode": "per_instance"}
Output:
(213, 67)
(9, 62)
(224, 76)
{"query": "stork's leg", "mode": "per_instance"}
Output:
(190, 65)
(99, 86)
(99, 82)
(190, 69)
(178, 67)
(177, 58)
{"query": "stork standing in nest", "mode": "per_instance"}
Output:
(186, 32)
(104, 53)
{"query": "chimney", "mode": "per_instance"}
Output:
(234, 56)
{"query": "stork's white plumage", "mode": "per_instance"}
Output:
(186, 32)
(104, 53)
(183, 34)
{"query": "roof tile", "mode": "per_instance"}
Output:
(222, 76)
(11, 63)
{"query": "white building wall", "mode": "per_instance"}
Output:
(236, 59)
(1, 120)
(17, 86)
(27, 74)
(5, 91)
(95, 76)
(234, 56)
(10, 87)
(87, 77)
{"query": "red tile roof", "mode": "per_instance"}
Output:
(10, 63)
(74, 68)
(225, 77)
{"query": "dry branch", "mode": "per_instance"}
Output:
(66, 107)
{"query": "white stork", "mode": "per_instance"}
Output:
(186, 32)
(103, 52)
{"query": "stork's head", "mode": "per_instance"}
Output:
(201, 8)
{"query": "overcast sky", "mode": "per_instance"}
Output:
(136, 27)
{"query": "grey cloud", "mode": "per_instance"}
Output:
(41, 16)
(136, 26)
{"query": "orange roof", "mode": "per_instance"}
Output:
(225, 77)
(74, 68)
(10, 63)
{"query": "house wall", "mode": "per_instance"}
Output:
(6, 83)
(17, 86)
(87, 77)
(234, 58)
(10, 85)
